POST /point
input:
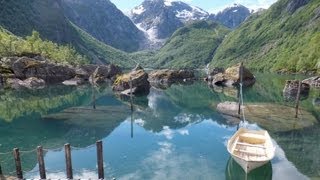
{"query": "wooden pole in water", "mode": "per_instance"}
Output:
(0, 171)
(240, 75)
(16, 155)
(42, 168)
(67, 151)
(100, 159)
(131, 104)
(130, 84)
(298, 99)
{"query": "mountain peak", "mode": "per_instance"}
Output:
(160, 18)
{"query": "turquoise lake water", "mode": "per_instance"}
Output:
(175, 133)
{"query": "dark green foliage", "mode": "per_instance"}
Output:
(275, 40)
(11, 45)
(46, 16)
(192, 46)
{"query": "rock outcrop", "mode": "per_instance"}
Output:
(231, 77)
(52, 73)
(313, 81)
(139, 81)
(31, 83)
(103, 73)
(170, 76)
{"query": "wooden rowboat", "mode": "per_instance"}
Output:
(250, 148)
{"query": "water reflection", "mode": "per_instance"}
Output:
(176, 132)
(235, 172)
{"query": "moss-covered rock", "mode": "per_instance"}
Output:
(139, 82)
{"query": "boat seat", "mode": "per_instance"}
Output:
(252, 138)
(251, 145)
(250, 152)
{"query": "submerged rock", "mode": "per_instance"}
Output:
(230, 77)
(313, 81)
(140, 83)
(290, 90)
(273, 117)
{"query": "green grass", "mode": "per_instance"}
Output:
(191, 47)
(275, 41)
(11, 45)
(46, 17)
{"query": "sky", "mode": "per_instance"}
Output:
(212, 6)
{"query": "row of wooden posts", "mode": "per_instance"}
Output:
(69, 171)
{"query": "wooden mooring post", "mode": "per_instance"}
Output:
(16, 155)
(42, 168)
(67, 151)
(0, 171)
(240, 84)
(298, 99)
(100, 159)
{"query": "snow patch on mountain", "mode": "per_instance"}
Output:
(138, 10)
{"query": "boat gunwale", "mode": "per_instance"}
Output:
(238, 133)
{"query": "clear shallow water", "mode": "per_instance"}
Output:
(172, 134)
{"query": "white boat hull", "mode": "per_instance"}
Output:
(251, 148)
(248, 166)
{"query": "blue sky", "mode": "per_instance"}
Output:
(212, 6)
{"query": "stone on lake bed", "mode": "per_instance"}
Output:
(88, 116)
(273, 117)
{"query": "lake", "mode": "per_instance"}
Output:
(173, 133)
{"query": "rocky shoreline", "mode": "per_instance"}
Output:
(37, 72)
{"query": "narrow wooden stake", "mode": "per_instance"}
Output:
(67, 150)
(0, 171)
(17, 160)
(42, 168)
(298, 99)
(130, 84)
(240, 75)
(94, 94)
(131, 124)
(100, 159)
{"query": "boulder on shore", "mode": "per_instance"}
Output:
(231, 77)
(85, 71)
(31, 83)
(139, 81)
(52, 73)
(313, 81)
(103, 73)
(170, 76)
(291, 88)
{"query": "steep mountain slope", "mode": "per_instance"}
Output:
(283, 38)
(47, 17)
(192, 46)
(232, 16)
(102, 20)
(160, 18)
